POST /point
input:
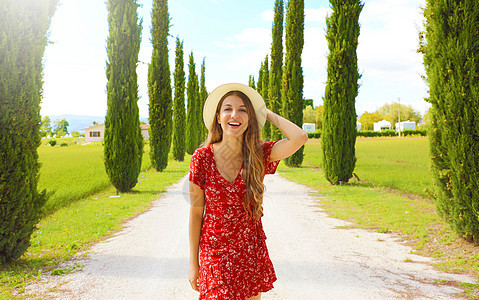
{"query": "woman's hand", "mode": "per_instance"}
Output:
(193, 276)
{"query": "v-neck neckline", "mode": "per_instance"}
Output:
(218, 171)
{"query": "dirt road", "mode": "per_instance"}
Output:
(313, 256)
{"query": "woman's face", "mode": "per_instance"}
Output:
(233, 116)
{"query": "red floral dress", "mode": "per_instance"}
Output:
(234, 260)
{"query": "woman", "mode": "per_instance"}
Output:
(226, 193)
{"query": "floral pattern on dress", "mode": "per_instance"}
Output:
(234, 259)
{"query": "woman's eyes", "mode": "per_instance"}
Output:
(228, 109)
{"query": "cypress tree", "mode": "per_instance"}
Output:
(192, 137)
(451, 56)
(179, 114)
(203, 96)
(276, 70)
(265, 93)
(259, 85)
(292, 88)
(339, 119)
(159, 88)
(24, 25)
(251, 82)
(198, 111)
(123, 142)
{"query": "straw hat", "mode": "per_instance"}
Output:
(211, 103)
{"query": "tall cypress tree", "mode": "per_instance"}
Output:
(198, 111)
(159, 88)
(292, 88)
(266, 132)
(276, 70)
(192, 140)
(339, 118)
(203, 96)
(123, 142)
(179, 114)
(451, 56)
(24, 25)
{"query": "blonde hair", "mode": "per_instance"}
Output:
(252, 152)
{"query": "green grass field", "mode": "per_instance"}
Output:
(73, 172)
(401, 164)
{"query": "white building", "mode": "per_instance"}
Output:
(382, 125)
(406, 125)
(309, 127)
(96, 133)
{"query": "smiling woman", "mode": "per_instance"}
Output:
(226, 192)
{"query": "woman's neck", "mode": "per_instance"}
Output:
(230, 147)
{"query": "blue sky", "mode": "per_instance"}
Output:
(234, 37)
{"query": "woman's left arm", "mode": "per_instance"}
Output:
(295, 137)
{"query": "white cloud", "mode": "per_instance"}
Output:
(268, 15)
(387, 55)
(246, 49)
(254, 35)
(317, 15)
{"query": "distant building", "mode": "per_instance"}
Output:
(358, 126)
(144, 131)
(96, 133)
(309, 127)
(406, 125)
(382, 125)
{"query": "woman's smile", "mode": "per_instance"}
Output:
(234, 124)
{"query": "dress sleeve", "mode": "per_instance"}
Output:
(270, 166)
(197, 168)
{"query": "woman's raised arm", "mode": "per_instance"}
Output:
(295, 137)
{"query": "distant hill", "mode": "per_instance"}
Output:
(78, 123)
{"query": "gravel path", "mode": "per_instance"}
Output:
(313, 256)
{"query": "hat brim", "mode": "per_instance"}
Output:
(211, 103)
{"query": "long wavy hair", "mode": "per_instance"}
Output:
(252, 152)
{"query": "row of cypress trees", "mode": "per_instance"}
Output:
(285, 82)
(188, 135)
(123, 140)
(167, 115)
(282, 85)
(24, 25)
